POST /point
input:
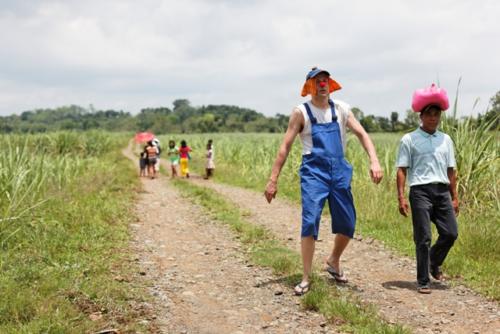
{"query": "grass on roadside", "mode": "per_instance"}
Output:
(66, 269)
(339, 307)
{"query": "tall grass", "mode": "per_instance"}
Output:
(63, 234)
(477, 154)
(21, 182)
(29, 164)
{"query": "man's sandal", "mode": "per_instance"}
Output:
(424, 289)
(301, 288)
(436, 273)
(338, 276)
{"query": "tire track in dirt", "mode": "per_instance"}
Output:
(376, 274)
(202, 282)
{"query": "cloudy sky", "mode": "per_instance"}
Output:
(127, 55)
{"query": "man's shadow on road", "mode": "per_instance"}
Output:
(410, 285)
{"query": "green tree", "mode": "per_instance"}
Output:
(412, 119)
(183, 109)
(493, 114)
(383, 123)
(357, 113)
(370, 124)
(394, 120)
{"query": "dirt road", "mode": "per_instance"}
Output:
(204, 284)
(202, 281)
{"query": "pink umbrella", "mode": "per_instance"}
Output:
(142, 137)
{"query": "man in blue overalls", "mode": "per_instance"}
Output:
(324, 174)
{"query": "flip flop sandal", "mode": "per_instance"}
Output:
(436, 273)
(424, 289)
(338, 276)
(301, 289)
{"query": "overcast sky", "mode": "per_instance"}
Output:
(127, 55)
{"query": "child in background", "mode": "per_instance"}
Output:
(173, 156)
(184, 158)
(210, 166)
(143, 159)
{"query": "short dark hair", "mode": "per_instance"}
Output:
(429, 107)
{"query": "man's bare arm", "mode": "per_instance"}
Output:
(295, 126)
(375, 171)
(404, 209)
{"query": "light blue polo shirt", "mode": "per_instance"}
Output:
(426, 156)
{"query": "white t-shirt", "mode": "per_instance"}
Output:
(342, 110)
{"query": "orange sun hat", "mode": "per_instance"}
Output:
(310, 84)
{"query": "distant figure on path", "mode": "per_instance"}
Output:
(173, 157)
(156, 143)
(143, 162)
(210, 165)
(427, 156)
(152, 152)
(184, 158)
(324, 174)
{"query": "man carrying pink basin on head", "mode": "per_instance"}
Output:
(426, 158)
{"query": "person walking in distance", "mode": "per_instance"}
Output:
(184, 158)
(152, 152)
(173, 157)
(143, 162)
(156, 143)
(325, 174)
(427, 159)
(210, 165)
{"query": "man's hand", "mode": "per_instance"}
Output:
(404, 209)
(271, 190)
(454, 203)
(376, 172)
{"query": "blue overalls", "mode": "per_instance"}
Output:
(325, 173)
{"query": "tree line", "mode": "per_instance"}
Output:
(181, 119)
(184, 118)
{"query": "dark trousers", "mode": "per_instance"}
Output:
(432, 203)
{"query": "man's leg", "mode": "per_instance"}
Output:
(314, 192)
(343, 217)
(307, 247)
(446, 225)
(421, 207)
(341, 242)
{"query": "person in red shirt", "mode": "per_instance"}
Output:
(184, 158)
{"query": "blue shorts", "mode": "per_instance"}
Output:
(329, 179)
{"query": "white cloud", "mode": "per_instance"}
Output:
(128, 55)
